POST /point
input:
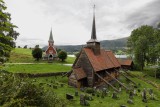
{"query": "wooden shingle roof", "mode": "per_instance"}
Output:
(105, 60)
(127, 62)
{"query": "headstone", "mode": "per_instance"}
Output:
(123, 106)
(82, 89)
(130, 101)
(114, 95)
(151, 94)
(62, 85)
(139, 90)
(120, 89)
(86, 103)
(131, 95)
(69, 97)
(134, 92)
(76, 93)
(144, 96)
(103, 92)
(150, 91)
(82, 99)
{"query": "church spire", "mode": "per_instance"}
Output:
(93, 43)
(93, 33)
(51, 37)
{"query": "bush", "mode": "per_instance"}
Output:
(37, 53)
(2, 59)
(62, 55)
(18, 92)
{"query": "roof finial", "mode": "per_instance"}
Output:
(94, 7)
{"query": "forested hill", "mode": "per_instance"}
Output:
(106, 44)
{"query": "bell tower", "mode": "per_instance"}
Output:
(93, 43)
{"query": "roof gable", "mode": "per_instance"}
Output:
(105, 60)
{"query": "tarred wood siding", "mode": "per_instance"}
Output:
(83, 62)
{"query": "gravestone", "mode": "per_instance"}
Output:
(120, 89)
(151, 94)
(134, 92)
(69, 97)
(62, 85)
(82, 99)
(130, 101)
(76, 93)
(114, 95)
(131, 95)
(144, 96)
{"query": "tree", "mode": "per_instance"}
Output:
(25, 47)
(142, 45)
(7, 31)
(62, 55)
(37, 52)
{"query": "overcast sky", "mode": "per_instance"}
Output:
(71, 20)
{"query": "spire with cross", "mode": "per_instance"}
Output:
(93, 33)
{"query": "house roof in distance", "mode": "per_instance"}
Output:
(127, 62)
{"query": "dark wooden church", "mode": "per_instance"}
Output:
(94, 67)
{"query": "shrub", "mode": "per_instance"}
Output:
(62, 55)
(18, 92)
(37, 53)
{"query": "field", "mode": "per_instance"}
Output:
(21, 61)
(20, 55)
(36, 68)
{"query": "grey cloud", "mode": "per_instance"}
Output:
(147, 15)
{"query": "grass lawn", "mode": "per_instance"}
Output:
(21, 55)
(36, 68)
(98, 101)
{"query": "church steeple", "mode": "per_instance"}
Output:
(93, 33)
(51, 41)
(93, 43)
(51, 37)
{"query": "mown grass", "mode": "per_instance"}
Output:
(21, 55)
(36, 68)
(98, 101)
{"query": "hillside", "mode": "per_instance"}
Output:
(106, 44)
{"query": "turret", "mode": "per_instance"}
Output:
(93, 43)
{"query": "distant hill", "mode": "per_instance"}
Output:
(106, 44)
